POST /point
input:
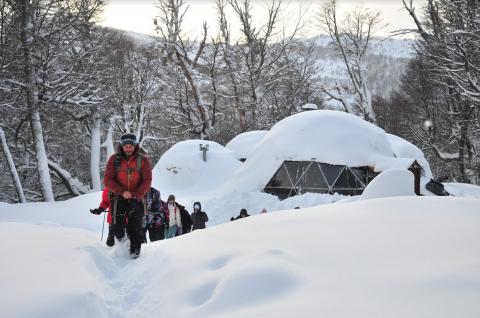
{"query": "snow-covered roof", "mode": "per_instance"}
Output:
(406, 150)
(182, 170)
(393, 163)
(244, 144)
(309, 107)
(327, 136)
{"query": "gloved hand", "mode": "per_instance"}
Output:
(97, 211)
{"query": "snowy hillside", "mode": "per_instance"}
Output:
(386, 61)
(397, 257)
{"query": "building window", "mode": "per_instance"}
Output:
(298, 177)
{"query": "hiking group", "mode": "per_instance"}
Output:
(135, 207)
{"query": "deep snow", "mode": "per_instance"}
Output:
(392, 257)
(243, 145)
(390, 183)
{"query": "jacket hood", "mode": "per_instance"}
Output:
(199, 204)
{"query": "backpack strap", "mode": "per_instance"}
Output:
(118, 160)
(114, 214)
(139, 163)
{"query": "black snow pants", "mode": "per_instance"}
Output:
(155, 233)
(129, 214)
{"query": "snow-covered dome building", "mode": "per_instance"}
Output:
(244, 144)
(184, 169)
(323, 151)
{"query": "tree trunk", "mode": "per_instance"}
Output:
(463, 158)
(95, 155)
(32, 103)
(202, 109)
(74, 186)
(108, 143)
(13, 169)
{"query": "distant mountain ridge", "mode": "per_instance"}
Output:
(386, 60)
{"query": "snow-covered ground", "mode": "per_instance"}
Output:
(387, 253)
(462, 189)
(390, 257)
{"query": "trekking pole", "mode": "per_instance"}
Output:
(103, 226)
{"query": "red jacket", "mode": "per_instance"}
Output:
(126, 177)
(105, 204)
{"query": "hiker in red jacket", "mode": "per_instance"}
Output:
(128, 175)
(105, 207)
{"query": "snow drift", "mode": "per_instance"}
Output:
(390, 183)
(182, 170)
(397, 257)
(243, 145)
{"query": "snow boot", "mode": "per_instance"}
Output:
(110, 237)
(135, 248)
(135, 253)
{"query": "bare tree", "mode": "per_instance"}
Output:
(351, 37)
(229, 57)
(12, 168)
(449, 45)
(50, 72)
(26, 15)
(259, 49)
(168, 25)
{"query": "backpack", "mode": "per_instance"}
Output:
(153, 202)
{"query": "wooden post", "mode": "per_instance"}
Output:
(416, 169)
(204, 149)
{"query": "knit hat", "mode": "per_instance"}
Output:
(128, 139)
(171, 197)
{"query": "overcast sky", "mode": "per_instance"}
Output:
(137, 15)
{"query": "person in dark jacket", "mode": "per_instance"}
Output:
(128, 175)
(186, 221)
(243, 214)
(155, 217)
(199, 218)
